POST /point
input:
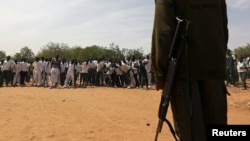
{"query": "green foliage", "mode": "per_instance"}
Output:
(137, 53)
(2, 54)
(242, 50)
(113, 52)
(51, 49)
(90, 52)
(27, 53)
(17, 56)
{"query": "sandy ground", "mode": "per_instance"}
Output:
(93, 114)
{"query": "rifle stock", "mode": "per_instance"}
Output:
(175, 51)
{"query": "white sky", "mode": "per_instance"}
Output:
(128, 23)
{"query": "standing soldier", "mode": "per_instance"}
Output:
(199, 96)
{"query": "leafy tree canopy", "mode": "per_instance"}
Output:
(2, 54)
(243, 50)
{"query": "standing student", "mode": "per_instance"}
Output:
(70, 76)
(148, 64)
(242, 70)
(55, 71)
(64, 69)
(37, 72)
(143, 74)
(6, 71)
(84, 74)
(23, 71)
(16, 70)
(230, 69)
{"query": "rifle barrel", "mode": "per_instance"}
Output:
(159, 128)
(179, 41)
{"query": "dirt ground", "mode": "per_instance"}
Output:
(93, 114)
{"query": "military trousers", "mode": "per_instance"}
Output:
(196, 105)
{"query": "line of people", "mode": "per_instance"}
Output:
(54, 72)
(237, 69)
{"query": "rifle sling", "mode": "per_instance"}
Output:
(171, 129)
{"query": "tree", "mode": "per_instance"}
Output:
(243, 50)
(90, 52)
(18, 56)
(133, 53)
(76, 53)
(116, 53)
(2, 54)
(64, 51)
(51, 49)
(27, 53)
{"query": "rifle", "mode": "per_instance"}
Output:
(178, 43)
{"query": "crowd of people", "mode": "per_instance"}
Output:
(129, 73)
(237, 69)
(59, 72)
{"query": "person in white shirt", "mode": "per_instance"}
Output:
(126, 73)
(55, 71)
(64, 68)
(16, 73)
(84, 74)
(48, 71)
(77, 71)
(37, 72)
(118, 77)
(6, 71)
(99, 73)
(248, 64)
(110, 71)
(134, 68)
(242, 70)
(1, 66)
(70, 76)
(43, 73)
(92, 71)
(148, 65)
(23, 71)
